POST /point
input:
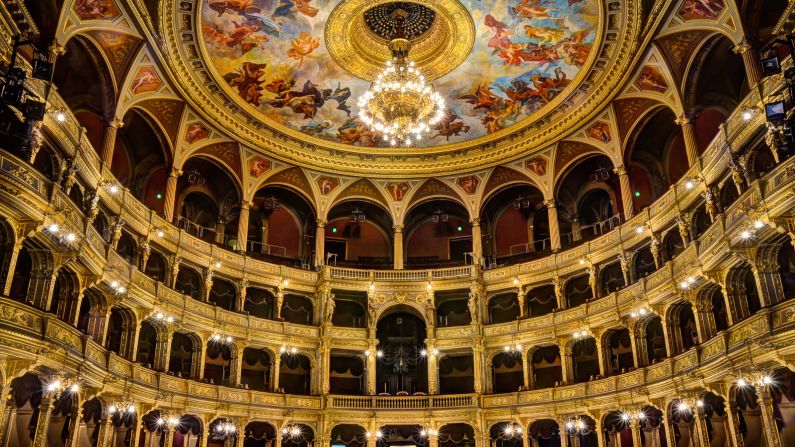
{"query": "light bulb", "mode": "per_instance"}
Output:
(53, 228)
(60, 117)
(71, 237)
(113, 189)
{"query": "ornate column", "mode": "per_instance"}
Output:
(241, 295)
(751, 62)
(320, 243)
(200, 358)
(477, 241)
(397, 242)
(626, 191)
(564, 433)
(520, 301)
(174, 270)
(554, 226)
(691, 141)
(636, 434)
(129, 344)
(105, 436)
(527, 375)
(170, 195)
(770, 429)
(208, 284)
(40, 287)
(277, 363)
(237, 364)
(220, 230)
(433, 368)
(242, 227)
(700, 425)
(279, 303)
(705, 323)
(478, 361)
(324, 373)
(43, 423)
(163, 349)
(566, 370)
(371, 366)
(560, 297)
(768, 283)
(600, 355)
(109, 141)
(733, 436)
(634, 334)
(169, 441)
(433, 440)
(9, 268)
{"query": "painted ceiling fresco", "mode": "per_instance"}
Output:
(271, 53)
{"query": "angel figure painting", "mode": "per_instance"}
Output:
(271, 55)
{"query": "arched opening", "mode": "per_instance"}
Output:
(297, 309)
(507, 375)
(91, 318)
(359, 233)
(452, 308)
(91, 421)
(578, 291)
(102, 226)
(147, 345)
(125, 423)
(585, 360)
(298, 435)
(65, 413)
(396, 435)
(142, 158)
(541, 301)
(653, 338)
(259, 303)
(783, 393)
(547, 371)
(349, 309)
(208, 199)
(127, 248)
(786, 266)
(545, 432)
(457, 373)
(218, 363)
(20, 280)
(515, 225)
(680, 418)
(728, 194)
(189, 282)
(456, 435)
(506, 434)
(651, 428)
(223, 294)
(700, 223)
(65, 295)
(644, 263)
(182, 359)
(656, 156)
(188, 431)
(683, 327)
(117, 326)
(259, 434)
(85, 83)
(348, 435)
(715, 417)
(156, 266)
(281, 225)
(295, 372)
(619, 351)
(672, 245)
(437, 233)
(503, 307)
(346, 375)
(611, 278)
(401, 367)
(588, 197)
(749, 414)
(581, 431)
(618, 430)
(222, 432)
(256, 369)
(26, 394)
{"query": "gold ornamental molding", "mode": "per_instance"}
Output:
(618, 43)
(438, 51)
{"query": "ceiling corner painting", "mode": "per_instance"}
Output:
(272, 55)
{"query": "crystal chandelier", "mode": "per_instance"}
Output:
(399, 105)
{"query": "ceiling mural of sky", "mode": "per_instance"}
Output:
(271, 53)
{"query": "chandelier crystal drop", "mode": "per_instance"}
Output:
(400, 105)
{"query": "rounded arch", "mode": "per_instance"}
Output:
(359, 232)
(514, 222)
(259, 434)
(349, 435)
(281, 223)
(435, 233)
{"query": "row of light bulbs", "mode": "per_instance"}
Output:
(65, 236)
(288, 349)
(218, 338)
(161, 316)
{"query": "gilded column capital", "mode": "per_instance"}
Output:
(743, 47)
(321, 223)
(246, 205)
(550, 203)
(397, 228)
(116, 123)
(175, 173)
(475, 221)
(621, 170)
(683, 120)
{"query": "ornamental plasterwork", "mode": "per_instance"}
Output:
(618, 48)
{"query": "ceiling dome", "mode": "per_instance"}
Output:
(285, 75)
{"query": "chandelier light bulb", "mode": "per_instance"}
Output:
(113, 189)
(53, 228)
(169, 319)
(293, 350)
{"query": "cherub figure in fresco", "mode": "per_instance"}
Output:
(573, 50)
(268, 24)
(544, 35)
(302, 47)
(651, 80)
(315, 127)
(237, 6)
(548, 87)
(248, 81)
(355, 133)
(498, 110)
(451, 125)
(310, 98)
(533, 9)
(500, 37)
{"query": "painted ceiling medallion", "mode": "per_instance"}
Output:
(500, 65)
